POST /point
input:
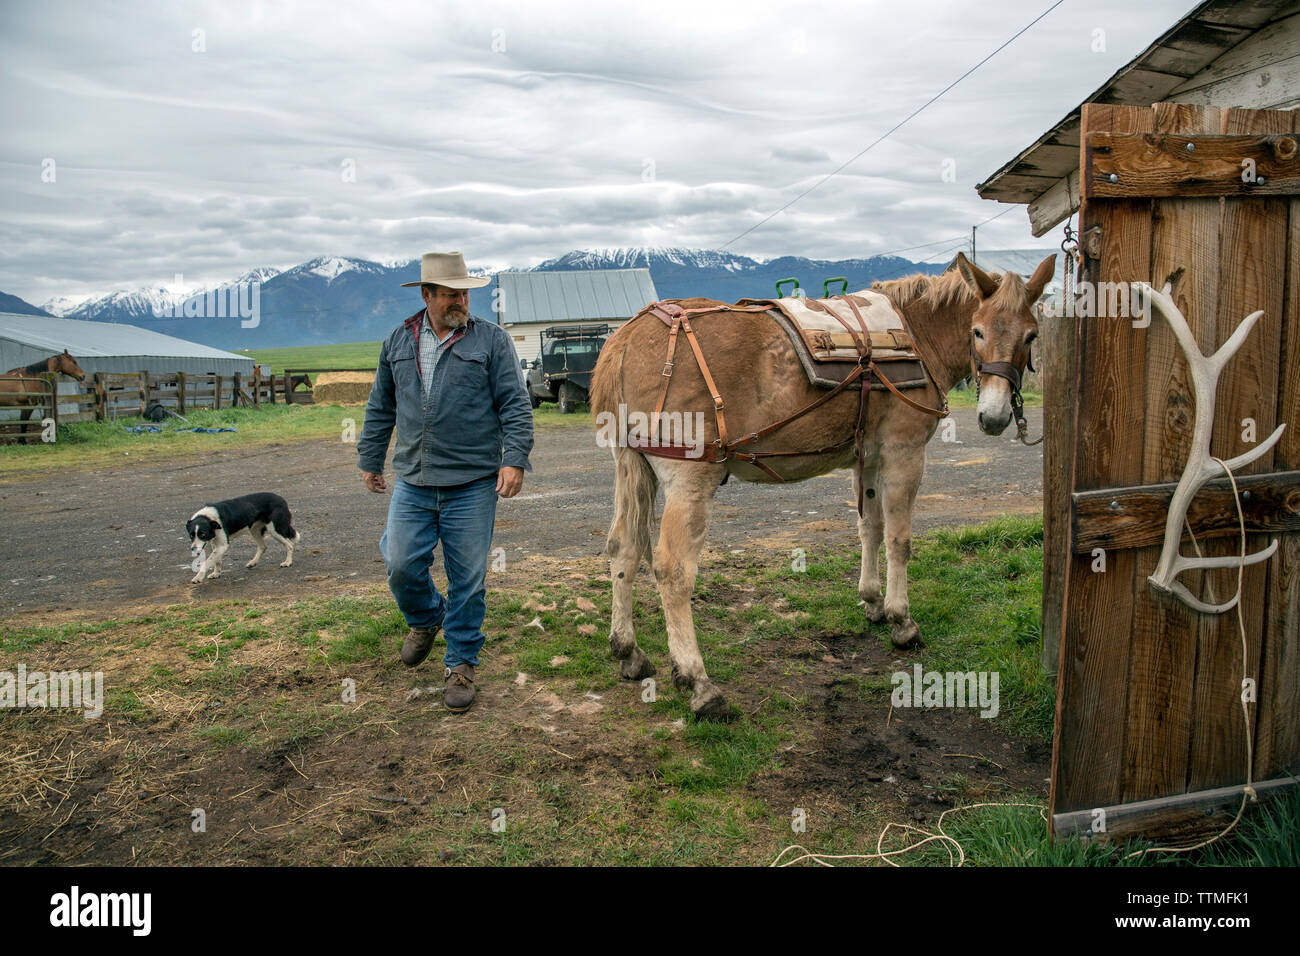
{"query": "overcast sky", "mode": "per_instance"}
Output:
(516, 131)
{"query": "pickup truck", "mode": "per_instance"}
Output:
(562, 372)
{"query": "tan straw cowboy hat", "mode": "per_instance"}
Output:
(447, 269)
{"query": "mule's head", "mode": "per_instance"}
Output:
(66, 364)
(1002, 331)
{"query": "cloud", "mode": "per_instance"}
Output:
(512, 131)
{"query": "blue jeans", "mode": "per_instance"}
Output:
(461, 517)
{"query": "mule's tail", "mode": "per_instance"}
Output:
(635, 486)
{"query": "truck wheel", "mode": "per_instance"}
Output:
(570, 396)
(535, 400)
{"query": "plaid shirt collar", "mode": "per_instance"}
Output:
(418, 321)
(421, 321)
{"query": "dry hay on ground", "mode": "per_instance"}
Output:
(342, 388)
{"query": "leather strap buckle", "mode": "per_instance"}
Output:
(668, 370)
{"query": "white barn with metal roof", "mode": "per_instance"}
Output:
(528, 302)
(109, 347)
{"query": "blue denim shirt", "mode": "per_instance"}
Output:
(476, 418)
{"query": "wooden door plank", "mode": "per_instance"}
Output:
(1277, 727)
(1252, 256)
(1092, 694)
(1058, 411)
(1162, 659)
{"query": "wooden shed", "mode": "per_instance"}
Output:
(1185, 171)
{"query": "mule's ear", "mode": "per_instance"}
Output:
(1042, 275)
(979, 281)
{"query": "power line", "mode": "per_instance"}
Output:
(923, 245)
(896, 127)
(998, 216)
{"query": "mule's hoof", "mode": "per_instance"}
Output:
(287, 564)
(874, 610)
(906, 634)
(251, 564)
(197, 579)
(636, 667)
(711, 705)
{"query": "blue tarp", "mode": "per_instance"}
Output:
(138, 429)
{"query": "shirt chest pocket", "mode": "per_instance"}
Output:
(403, 365)
(467, 370)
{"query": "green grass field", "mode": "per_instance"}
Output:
(234, 706)
(344, 355)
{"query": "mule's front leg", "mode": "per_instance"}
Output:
(871, 531)
(676, 563)
(902, 473)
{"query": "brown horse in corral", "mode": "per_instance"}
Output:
(965, 321)
(26, 380)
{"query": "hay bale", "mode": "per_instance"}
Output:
(342, 388)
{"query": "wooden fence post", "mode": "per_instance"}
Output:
(235, 397)
(257, 386)
(180, 393)
(52, 381)
(216, 391)
(144, 392)
(101, 398)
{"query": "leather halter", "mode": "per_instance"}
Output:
(678, 319)
(1008, 371)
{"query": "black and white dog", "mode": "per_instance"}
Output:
(216, 524)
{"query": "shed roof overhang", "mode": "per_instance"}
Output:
(1046, 174)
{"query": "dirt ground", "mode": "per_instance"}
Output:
(554, 758)
(90, 541)
(393, 778)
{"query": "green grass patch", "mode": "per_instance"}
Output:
(341, 355)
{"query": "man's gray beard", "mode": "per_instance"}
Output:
(455, 319)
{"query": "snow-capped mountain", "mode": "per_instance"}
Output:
(124, 306)
(343, 299)
(61, 305)
(330, 268)
(641, 257)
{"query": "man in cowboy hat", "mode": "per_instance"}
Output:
(451, 385)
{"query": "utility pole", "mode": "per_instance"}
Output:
(972, 243)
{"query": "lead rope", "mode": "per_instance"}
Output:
(1070, 247)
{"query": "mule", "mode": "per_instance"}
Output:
(965, 322)
(26, 380)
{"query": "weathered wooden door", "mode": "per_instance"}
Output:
(1149, 694)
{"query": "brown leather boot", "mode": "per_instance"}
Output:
(418, 644)
(460, 687)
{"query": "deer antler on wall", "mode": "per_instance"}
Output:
(1201, 467)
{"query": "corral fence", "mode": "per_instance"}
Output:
(1150, 735)
(107, 396)
(23, 410)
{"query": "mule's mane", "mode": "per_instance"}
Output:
(937, 292)
(37, 367)
(949, 289)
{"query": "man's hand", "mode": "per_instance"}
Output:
(374, 482)
(509, 481)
